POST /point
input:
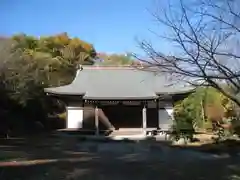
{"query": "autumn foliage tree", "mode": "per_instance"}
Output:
(46, 61)
(55, 53)
(30, 64)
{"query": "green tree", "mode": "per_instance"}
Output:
(188, 112)
(203, 106)
(115, 59)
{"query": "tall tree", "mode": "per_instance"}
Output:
(44, 61)
(205, 34)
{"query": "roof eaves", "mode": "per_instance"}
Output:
(62, 90)
(177, 92)
(121, 98)
(64, 93)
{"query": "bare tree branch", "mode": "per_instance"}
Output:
(204, 31)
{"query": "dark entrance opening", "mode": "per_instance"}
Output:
(124, 116)
(152, 118)
(121, 116)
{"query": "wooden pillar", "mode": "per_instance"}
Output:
(157, 106)
(96, 121)
(144, 118)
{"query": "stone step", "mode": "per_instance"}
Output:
(119, 133)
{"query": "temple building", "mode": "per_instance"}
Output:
(123, 97)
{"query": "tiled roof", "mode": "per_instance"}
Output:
(125, 82)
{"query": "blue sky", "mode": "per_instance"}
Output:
(110, 25)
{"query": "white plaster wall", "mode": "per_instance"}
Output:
(74, 117)
(170, 112)
(165, 117)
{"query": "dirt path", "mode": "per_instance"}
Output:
(110, 167)
(54, 160)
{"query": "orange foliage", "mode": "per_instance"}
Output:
(214, 112)
(76, 42)
(62, 39)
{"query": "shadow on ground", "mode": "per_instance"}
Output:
(62, 158)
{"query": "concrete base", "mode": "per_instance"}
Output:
(131, 134)
(139, 136)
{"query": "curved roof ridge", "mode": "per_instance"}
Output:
(137, 67)
(108, 67)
